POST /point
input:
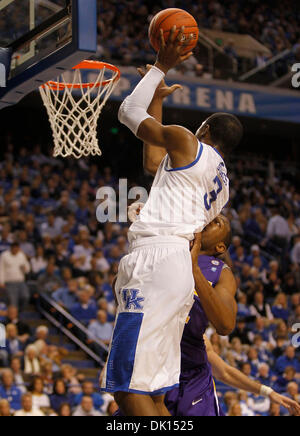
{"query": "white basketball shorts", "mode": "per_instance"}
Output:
(154, 289)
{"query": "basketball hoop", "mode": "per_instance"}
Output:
(74, 107)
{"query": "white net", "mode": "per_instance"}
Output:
(74, 108)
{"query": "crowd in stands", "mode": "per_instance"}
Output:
(123, 26)
(123, 31)
(49, 235)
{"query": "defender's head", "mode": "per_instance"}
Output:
(216, 237)
(221, 130)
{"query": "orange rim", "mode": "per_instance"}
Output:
(86, 65)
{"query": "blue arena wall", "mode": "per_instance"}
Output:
(213, 96)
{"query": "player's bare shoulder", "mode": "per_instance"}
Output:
(182, 140)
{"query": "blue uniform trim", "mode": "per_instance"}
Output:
(134, 391)
(123, 349)
(218, 153)
(191, 164)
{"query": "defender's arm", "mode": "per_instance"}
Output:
(236, 379)
(219, 302)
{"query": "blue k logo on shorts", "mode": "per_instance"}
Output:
(131, 299)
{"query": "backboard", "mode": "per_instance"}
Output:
(41, 39)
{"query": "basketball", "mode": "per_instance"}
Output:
(168, 18)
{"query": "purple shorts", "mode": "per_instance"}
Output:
(196, 395)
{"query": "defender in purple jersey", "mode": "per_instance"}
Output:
(196, 395)
(215, 303)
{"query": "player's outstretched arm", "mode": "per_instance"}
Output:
(236, 379)
(153, 155)
(179, 142)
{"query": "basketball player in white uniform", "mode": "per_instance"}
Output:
(155, 283)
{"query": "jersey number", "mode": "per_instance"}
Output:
(213, 194)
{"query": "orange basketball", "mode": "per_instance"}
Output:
(168, 18)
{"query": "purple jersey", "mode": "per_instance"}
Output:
(193, 351)
(196, 394)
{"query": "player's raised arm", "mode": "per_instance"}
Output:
(153, 155)
(179, 142)
(236, 379)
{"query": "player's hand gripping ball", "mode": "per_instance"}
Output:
(166, 20)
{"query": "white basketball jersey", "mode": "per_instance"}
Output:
(184, 200)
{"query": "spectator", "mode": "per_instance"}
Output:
(52, 227)
(13, 268)
(67, 296)
(253, 361)
(293, 391)
(261, 60)
(59, 395)
(246, 369)
(27, 407)
(107, 287)
(259, 329)
(241, 331)
(9, 391)
(50, 280)
(40, 400)
(85, 310)
(237, 352)
(3, 311)
(88, 391)
(280, 307)
(101, 329)
(259, 308)
(68, 374)
(235, 410)
(5, 408)
(282, 382)
(264, 376)
(13, 318)
(109, 308)
(273, 286)
(18, 374)
(295, 253)
(101, 262)
(47, 376)
(289, 359)
(13, 345)
(278, 229)
(295, 318)
(65, 410)
(31, 361)
(274, 409)
(86, 408)
(289, 286)
(41, 333)
(26, 246)
(38, 262)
